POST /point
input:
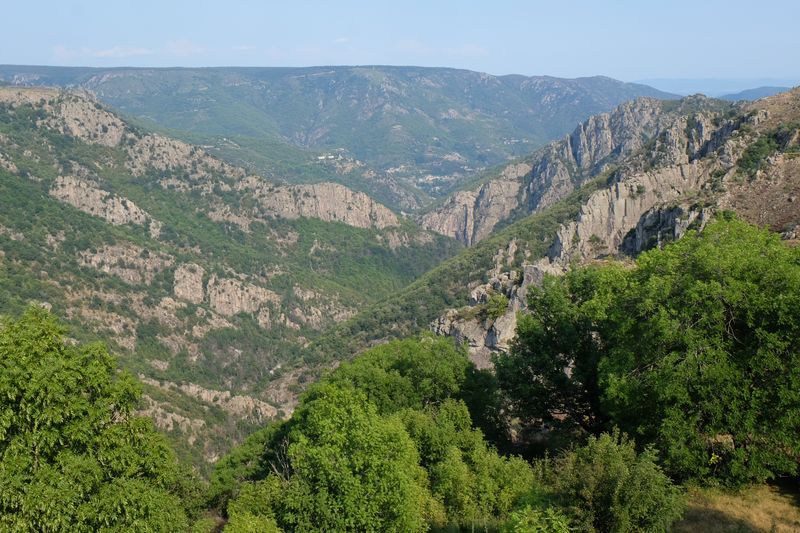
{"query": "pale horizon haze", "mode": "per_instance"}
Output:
(733, 41)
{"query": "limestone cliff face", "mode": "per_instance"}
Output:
(240, 406)
(330, 202)
(651, 198)
(87, 197)
(161, 153)
(188, 283)
(594, 147)
(685, 156)
(77, 114)
(661, 225)
(229, 296)
(87, 120)
(486, 336)
(469, 216)
(132, 264)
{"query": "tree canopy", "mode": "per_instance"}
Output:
(385, 443)
(72, 455)
(693, 350)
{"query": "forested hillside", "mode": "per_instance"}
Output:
(684, 373)
(205, 279)
(596, 362)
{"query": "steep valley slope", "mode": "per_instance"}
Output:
(205, 279)
(594, 148)
(226, 292)
(622, 183)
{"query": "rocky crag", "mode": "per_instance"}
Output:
(692, 166)
(594, 148)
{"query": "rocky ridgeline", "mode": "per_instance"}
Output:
(187, 167)
(655, 195)
(594, 148)
(75, 114)
(330, 202)
(90, 198)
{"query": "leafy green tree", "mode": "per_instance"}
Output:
(409, 373)
(551, 372)
(382, 443)
(254, 459)
(72, 455)
(608, 487)
(426, 370)
(496, 306)
(475, 485)
(351, 469)
(250, 523)
(341, 467)
(693, 351)
(253, 510)
(702, 358)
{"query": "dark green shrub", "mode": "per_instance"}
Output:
(608, 487)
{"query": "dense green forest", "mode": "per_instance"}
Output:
(627, 383)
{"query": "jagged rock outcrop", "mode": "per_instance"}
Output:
(330, 202)
(76, 114)
(132, 264)
(230, 297)
(85, 119)
(647, 203)
(89, 198)
(470, 216)
(11, 234)
(6, 163)
(661, 225)
(188, 283)
(315, 311)
(609, 214)
(593, 148)
(165, 418)
(486, 335)
(161, 153)
(238, 405)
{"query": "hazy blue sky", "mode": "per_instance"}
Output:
(628, 40)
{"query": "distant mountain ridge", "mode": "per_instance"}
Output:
(754, 94)
(425, 129)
